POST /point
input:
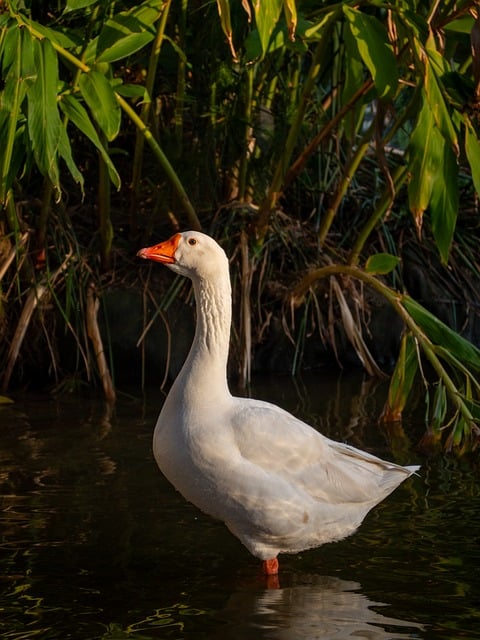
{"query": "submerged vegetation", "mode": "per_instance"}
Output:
(333, 149)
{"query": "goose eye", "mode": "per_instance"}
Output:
(192, 241)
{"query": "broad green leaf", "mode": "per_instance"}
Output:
(425, 158)
(472, 149)
(440, 334)
(20, 76)
(463, 24)
(100, 97)
(266, 18)
(381, 263)
(125, 47)
(44, 122)
(444, 202)
(132, 25)
(374, 49)
(5, 400)
(77, 113)
(10, 44)
(133, 91)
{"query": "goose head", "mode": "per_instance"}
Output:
(191, 254)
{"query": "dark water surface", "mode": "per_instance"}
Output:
(96, 544)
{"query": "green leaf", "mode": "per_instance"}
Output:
(472, 149)
(44, 122)
(5, 400)
(65, 151)
(125, 46)
(77, 113)
(266, 18)
(124, 33)
(100, 97)
(425, 159)
(374, 49)
(381, 263)
(434, 92)
(11, 99)
(133, 91)
(440, 334)
(444, 202)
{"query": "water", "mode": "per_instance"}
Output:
(96, 544)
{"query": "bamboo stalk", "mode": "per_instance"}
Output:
(145, 111)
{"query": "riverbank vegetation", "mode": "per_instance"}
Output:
(332, 148)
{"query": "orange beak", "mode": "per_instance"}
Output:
(163, 252)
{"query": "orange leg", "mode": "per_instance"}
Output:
(270, 567)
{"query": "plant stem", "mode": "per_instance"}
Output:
(104, 210)
(270, 200)
(162, 158)
(399, 176)
(145, 113)
(395, 300)
(343, 186)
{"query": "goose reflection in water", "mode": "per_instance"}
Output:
(324, 607)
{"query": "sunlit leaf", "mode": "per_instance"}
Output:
(374, 49)
(100, 97)
(125, 47)
(77, 113)
(439, 333)
(381, 263)
(266, 18)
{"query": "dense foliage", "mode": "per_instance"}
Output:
(321, 131)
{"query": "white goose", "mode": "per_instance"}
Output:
(277, 483)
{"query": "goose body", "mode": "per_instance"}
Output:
(277, 483)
